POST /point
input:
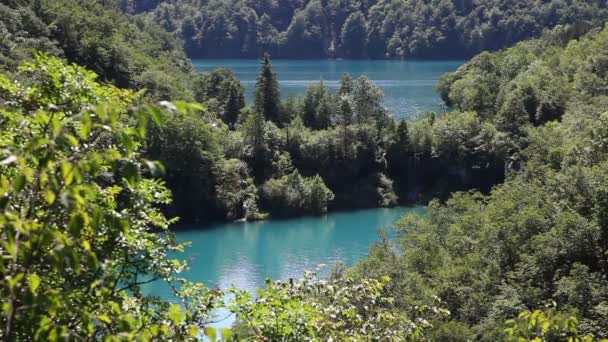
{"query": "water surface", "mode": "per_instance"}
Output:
(244, 255)
(409, 86)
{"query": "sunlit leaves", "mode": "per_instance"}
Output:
(340, 310)
(81, 226)
(546, 325)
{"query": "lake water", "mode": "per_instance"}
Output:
(244, 255)
(409, 86)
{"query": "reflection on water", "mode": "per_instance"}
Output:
(244, 255)
(409, 86)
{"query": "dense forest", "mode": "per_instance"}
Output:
(107, 136)
(322, 150)
(540, 237)
(127, 51)
(82, 233)
(284, 156)
(360, 29)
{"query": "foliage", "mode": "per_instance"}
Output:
(267, 96)
(318, 107)
(221, 85)
(294, 195)
(540, 236)
(336, 310)
(531, 84)
(127, 51)
(547, 325)
(361, 29)
(81, 229)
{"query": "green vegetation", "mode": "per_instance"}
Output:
(82, 232)
(87, 170)
(539, 237)
(81, 229)
(302, 155)
(125, 50)
(222, 93)
(360, 29)
(339, 309)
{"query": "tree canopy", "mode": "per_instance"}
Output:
(360, 29)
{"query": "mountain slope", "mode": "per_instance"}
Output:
(360, 29)
(128, 51)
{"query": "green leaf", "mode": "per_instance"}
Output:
(56, 126)
(34, 281)
(175, 314)
(193, 330)
(226, 334)
(72, 140)
(142, 124)
(19, 182)
(67, 173)
(156, 114)
(50, 197)
(104, 318)
(85, 126)
(211, 333)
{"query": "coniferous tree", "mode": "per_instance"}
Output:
(235, 102)
(267, 94)
(346, 85)
(317, 106)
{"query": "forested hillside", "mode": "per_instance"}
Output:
(93, 171)
(127, 51)
(539, 239)
(360, 29)
(284, 156)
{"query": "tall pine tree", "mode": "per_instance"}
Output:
(267, 96)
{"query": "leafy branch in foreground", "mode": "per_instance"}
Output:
(546, 325)
(335, 310)
(80, 228)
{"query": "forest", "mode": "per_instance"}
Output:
(539, 238)
(292, 145)
(355, 29)
(109, 138)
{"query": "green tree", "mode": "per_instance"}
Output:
(259, 154)
(293, 194)
(318, 109)
(191, 147)
(354, 35)
(267, 95)
(222, 86)
(345, 119)
(340, 309)
(346, 85)
(81, 230)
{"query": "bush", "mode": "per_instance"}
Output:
(294, 195)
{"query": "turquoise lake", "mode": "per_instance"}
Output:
(409, 86)
(245, 254)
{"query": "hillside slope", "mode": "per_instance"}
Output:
(542, 236)
(360, 29)
(128, 51)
